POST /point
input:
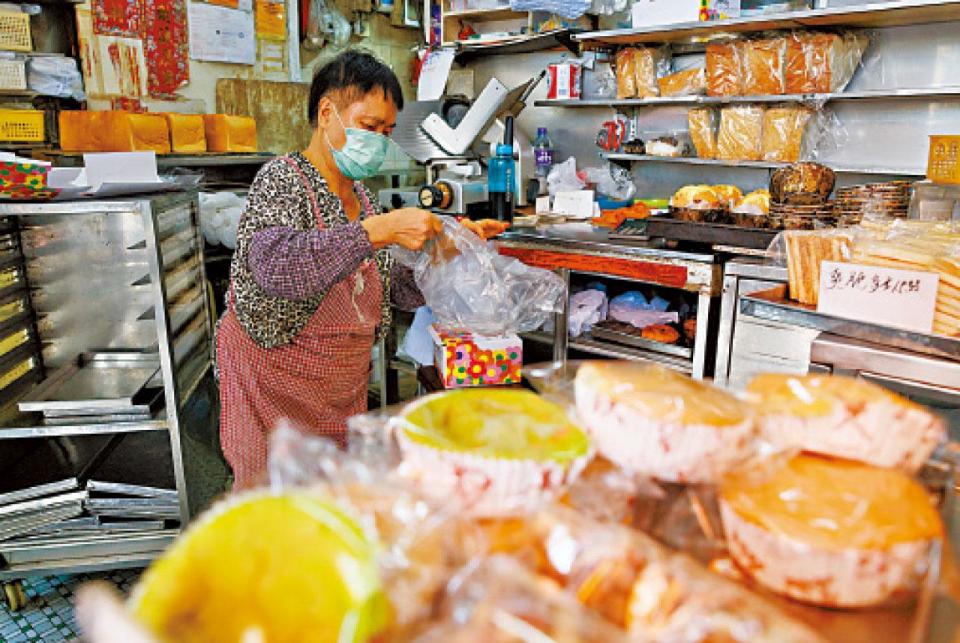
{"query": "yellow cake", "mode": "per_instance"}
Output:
(833, 532)
(845, 417)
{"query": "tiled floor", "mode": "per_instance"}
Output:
(49, 615)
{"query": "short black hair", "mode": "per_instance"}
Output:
(353, 74)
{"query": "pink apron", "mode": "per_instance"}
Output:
(317, 381)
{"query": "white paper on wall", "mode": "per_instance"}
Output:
(219, 34)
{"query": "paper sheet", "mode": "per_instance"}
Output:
(434, 73)
(121, 167)
(577, 204)
(222, 35)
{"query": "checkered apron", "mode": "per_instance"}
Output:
(316, 381)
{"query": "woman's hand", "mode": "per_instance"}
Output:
(409, 228)
(485, 228)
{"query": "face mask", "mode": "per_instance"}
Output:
(363, 153)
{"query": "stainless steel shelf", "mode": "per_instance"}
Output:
(519, 45)
(876, 14)
(538, 336)
(79, 565)
(26, 429)
(763, 165)
(588, 345)
(669, 101)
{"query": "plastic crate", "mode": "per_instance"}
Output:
(943, 164)
(13, 75)
(21, 125)
(15, 31)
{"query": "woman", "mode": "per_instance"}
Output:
(311, 279)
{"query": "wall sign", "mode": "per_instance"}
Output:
(899, 298)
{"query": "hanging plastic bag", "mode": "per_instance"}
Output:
(468, 284)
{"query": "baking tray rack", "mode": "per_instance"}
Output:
(720, 234)
(96, 384)
(608, 335)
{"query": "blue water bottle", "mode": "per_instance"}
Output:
(500, 177)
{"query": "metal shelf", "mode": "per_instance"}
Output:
(467, 52)
(763, 165)
(892, 94)
(586, 344)
(493, 13)
(876, 14)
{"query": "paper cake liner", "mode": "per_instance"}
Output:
(667, 450)
(881, 433)
(485, 486)
(850, 577)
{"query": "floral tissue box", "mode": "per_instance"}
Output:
(464, 359)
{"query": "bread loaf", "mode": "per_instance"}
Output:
(703, 133)
(113, 131)
(741, 131)
(724, 76)
(822, 62)
(230, 133)
(684, 83)
(783, 129)
(187, 135)
(763, 66)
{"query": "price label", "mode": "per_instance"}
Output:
(899, 298)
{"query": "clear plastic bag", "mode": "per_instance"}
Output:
(724, 77)
(741, 133)
(821, 63)
(802, 252)
(783, 132)
(690, 82)
(563, 177)
(763, 66)
(469, 285)
(587, 307)
(702, 122)
(637, 70)
(612, 181)
(55, 76)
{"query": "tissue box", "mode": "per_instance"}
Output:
(464, 359)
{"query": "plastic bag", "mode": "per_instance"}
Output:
(802, 251)
(667, 144)
(612, 181)
(469, 285)
(702, 122)
(763, 66)
(637, 71)
(822, 63)
(741, 132)
(723, 69)
(417, 344)
(587, 307)
(563, 177)
(495, 600)
(691, 82)
(783, 132)
(55, 76)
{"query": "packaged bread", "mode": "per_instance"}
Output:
(702, 122)
(227, 133)
(783, 130)
(113, 131)
(806, 251)
(187, 133)
(636, 70)
(729, 195)
(690, 82)
(741, 132)
(724, 76)
(636, 583)
(845, 417)
(831, 532)
(822, 62)
(657, 422)
(763, 66)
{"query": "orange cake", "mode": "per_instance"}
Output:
(845, 417)
(187, 135)
(832, 532)
(657, 422)
(230, 133)
(86, 131)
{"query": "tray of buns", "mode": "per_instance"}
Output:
(666, 227)
(621, 333)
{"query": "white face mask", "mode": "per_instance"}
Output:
(363, 153)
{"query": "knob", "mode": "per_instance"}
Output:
(396, 201)
(430, 196)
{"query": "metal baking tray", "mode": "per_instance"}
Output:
(87, 547)
(695, 232)
(39, 491)
(96, 382)
(89, 526)
(74, 498)
(607, 335)
(30, 522)
(135, 490)
(133, 508)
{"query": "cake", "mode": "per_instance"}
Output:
(831, 532)
(757, 202)
(696, 197)
(495, 451)
(729, 194)
(845, 417)
(657, 422)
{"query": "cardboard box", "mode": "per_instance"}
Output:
(464, 359)
(655, 13)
